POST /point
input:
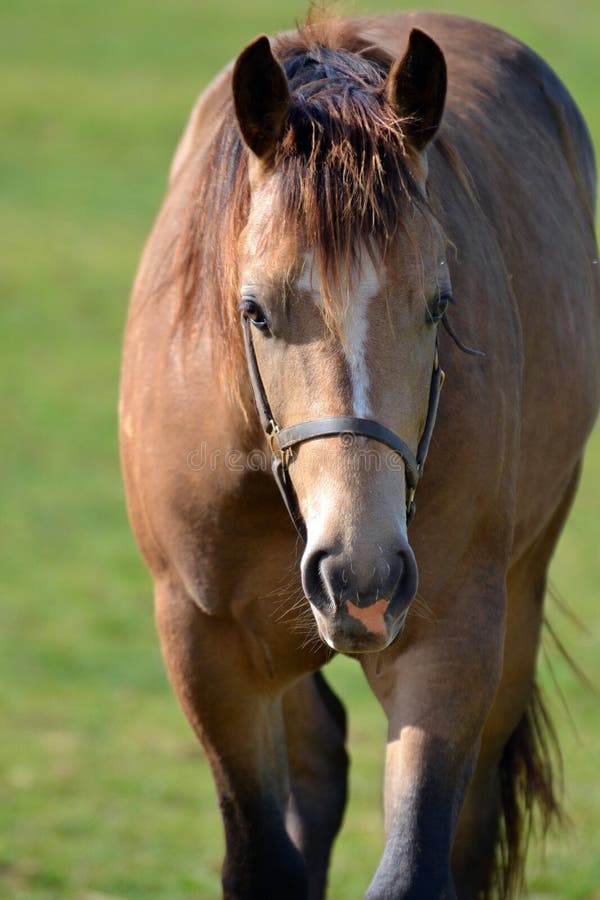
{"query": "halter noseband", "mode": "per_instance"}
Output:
(282, 440)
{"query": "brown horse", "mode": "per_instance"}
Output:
(347, 203)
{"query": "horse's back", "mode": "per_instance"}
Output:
(491, 77)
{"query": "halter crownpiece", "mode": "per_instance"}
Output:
(283, 440)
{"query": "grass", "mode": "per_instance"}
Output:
(104, 793)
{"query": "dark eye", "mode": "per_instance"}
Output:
(437, 308)
(250, 309)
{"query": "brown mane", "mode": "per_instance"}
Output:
(340, 169)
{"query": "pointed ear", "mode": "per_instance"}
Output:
(261, 98)
(416, 88)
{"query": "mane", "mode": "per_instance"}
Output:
(340, 171)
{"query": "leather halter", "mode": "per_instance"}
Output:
(283, 440)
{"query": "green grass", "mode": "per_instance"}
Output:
(104, 792)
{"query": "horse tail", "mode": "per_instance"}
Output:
(530, 775)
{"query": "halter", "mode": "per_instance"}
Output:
(282, 440)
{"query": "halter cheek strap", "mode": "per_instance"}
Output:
(283, 440)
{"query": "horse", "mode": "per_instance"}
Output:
(357, 207)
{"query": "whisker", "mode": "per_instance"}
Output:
(422, 609)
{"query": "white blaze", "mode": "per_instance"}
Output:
(354, 323)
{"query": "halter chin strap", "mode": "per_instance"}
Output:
(283, 440)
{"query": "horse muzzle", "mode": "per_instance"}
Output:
(360, 606)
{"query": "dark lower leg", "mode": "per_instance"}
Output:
(240, 724)
(318, 762)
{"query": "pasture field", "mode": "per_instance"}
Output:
(104, 793)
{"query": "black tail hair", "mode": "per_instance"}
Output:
(530, 775)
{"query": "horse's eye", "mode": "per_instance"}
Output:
(250, 309)
(437, 308)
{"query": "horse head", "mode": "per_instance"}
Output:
(344, 281)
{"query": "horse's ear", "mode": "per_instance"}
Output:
(261, 97)
(416, 88)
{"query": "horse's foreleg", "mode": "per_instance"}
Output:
(239, 721)
(436, 687)
(316, 730)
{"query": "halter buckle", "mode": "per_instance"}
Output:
(271, 431)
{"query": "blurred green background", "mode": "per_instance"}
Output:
(104, 792)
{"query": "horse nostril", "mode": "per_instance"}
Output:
(330, 578)
(408, 579)
(312, 577)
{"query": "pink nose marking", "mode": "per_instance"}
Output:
(370, 616)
